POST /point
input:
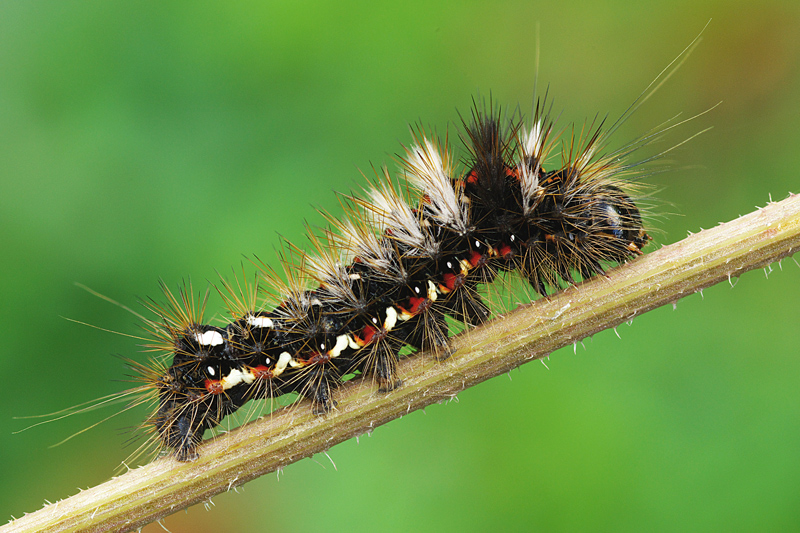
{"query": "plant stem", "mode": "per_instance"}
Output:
(527, 333)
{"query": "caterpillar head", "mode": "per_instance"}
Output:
(197, 390)
(617, 220)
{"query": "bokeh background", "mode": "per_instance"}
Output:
(147, 140)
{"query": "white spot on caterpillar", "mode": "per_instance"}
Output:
(283, 361)
(209, 338)
(260, 321)
(391, 319)
(341, 345)
(211, 371)
(433, 294)
(235, 377)
(355, 277)
(352, 343)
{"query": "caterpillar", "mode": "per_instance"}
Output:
(400, 264)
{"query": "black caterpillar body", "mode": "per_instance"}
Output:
(387, 275)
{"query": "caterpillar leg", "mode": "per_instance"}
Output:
(430, 334)
(379, 353)
(467, 307)
(316, 384)
(175, 431)
(385, 367)
(180, 422)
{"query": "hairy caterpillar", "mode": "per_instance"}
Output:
(411, 256)
(389, 273)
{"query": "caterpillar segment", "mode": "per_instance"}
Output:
(388, 274)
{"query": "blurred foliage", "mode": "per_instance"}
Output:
(141, 140)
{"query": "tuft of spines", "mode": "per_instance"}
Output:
(429, 167)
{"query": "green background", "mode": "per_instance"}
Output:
(147, 140)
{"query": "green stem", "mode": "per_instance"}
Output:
(527, 333)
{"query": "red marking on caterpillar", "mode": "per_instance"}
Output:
(214, 386)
